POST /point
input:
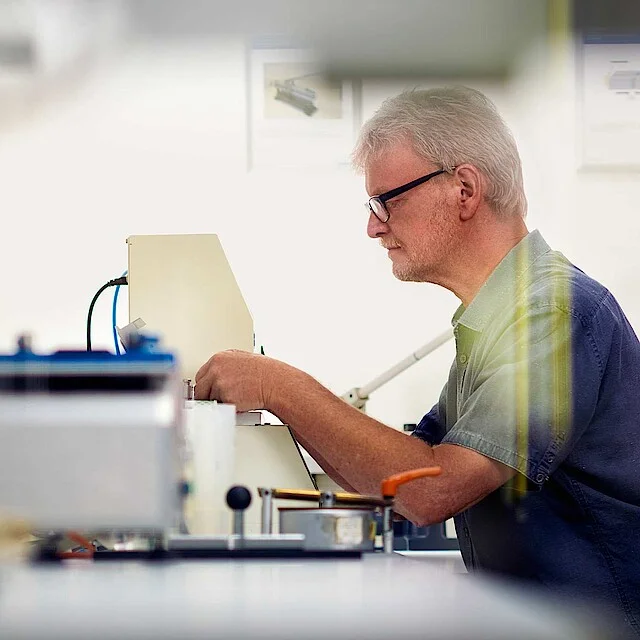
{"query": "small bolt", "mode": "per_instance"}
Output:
(24, 342)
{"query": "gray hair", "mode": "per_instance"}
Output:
(450, 126)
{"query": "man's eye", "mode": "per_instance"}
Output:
(393, 204)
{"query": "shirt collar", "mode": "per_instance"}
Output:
(500, 288)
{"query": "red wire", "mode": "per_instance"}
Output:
(65, 555)
(81, 540)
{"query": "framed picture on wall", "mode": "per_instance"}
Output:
(609, 102)
(608, 84)
(298, 116)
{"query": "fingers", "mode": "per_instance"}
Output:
(206, 387)
(205, 380)
(213, 381)
(202, 390)
(202, 371)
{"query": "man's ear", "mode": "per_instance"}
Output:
(469, 190)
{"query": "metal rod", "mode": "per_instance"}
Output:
(296, 494)
(391, 373)
(357, 499)
(387, 528)
(238, 523)
(327, 500)
(339, 497)
(267, 510)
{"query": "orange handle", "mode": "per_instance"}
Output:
(390, 485)
(81, 540)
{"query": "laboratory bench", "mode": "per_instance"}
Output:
(419, 595)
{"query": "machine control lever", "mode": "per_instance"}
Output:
(388, 489)
(238, 500)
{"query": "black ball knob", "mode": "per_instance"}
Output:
(238, 498)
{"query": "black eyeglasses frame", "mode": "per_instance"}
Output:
(380, 201)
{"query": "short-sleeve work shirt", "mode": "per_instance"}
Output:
(546, 380)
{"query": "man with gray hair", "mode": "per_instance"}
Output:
(537, 430)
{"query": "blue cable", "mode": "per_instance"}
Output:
(116, 340)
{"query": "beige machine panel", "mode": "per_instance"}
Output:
(183, 288)
(267, 456)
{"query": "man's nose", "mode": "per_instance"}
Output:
(375, 228)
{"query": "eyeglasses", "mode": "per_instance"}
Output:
(377, 204)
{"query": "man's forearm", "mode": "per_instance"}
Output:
(326, 466)
(359, 450)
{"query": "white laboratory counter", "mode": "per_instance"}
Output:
(450, 561)
(377, 596)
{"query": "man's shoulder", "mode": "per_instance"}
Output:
(554, 282)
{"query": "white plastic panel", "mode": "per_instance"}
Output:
(183, 288)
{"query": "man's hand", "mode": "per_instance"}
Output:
(240, 378)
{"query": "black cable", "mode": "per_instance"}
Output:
(112, 283)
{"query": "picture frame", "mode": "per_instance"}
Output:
(298, 116)
(608, 96)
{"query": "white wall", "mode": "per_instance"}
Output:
(155, 142)
(132, 149)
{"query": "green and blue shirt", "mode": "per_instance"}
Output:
(546, 380)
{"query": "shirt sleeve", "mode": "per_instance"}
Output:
(533, 392)
(432, 427)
